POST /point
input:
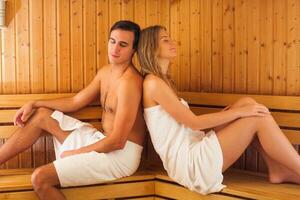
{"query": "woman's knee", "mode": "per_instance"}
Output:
(246, 101)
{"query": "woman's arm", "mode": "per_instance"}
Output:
(162, 94)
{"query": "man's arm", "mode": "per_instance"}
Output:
(70, 104)
(129, 97)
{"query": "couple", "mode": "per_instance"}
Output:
(193, 158)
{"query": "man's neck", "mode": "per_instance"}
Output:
(120, 68)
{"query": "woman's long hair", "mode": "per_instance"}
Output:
(148, 51)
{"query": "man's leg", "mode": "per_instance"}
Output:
(44, 179)
(25, 137)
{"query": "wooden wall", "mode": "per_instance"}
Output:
(234, 46)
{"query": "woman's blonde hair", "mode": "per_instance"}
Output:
(148, 51)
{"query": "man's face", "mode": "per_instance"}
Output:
(120, 46)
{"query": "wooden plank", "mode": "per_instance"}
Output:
(241, 51)
(7, 131)
(114, 11)
(36, 46)
(94, 192)
(217, 65)
(266, 47)
(253, 47)
(164, 14)
(63, 46)
(6, 116)
(36, 76)
(14, 101)
(228, 46)
(255, 187)
(174, 33)
(20, 179)
(178, 192)
(89, 45)
(206, 47)
(77, 73)
(184, 33)
(151, 12)
(218, 99)
(128, 10)
(50, 55)
(195, 46)
(292, 58)
(140, 13)
(22, 46)
(280, 43)
(9, 51)
(283, 119)
(102, 32)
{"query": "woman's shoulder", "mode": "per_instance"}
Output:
(152, 81)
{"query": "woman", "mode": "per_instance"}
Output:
(191, 157)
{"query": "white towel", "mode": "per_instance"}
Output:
(92, 167)
(191, 158)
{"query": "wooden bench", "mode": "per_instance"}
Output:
(151, 181)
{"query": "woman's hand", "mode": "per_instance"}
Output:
(23, 114)
(253, 110)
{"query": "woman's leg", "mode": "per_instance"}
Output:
(277, 172)
(25, 137)
(235, 138)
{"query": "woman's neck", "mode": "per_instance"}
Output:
(164, 64)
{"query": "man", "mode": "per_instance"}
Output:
(85, 155)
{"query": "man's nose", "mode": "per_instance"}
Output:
(116, 48)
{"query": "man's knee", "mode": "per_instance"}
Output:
(41, 114)
(39, 179)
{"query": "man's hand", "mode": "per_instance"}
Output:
(69, 153)
(23, 114)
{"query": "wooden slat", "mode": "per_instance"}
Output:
(77, 74)
(241, 50)
(7, 131)
(22, 46)
(253, 47)
(228, 45)
(291, 120)
(292, 58)
(255, 187)
(50, 55)
(102, 32)
(174, 33)
(9, 52)
(195, 45)
(20, 179)
(6, 116)
(178, 192)
(63, 46)
(184, 32)
(266, 46)
(36, 44)
(89, 45)
(218, 99)
(279, 32)
(217, 65)
(94, 192)
(206, 46)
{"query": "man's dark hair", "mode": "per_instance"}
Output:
(127, 25)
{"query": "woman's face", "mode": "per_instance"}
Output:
(167, 47)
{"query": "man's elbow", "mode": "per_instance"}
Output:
(119, 145)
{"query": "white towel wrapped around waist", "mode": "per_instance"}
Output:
(91, 167)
